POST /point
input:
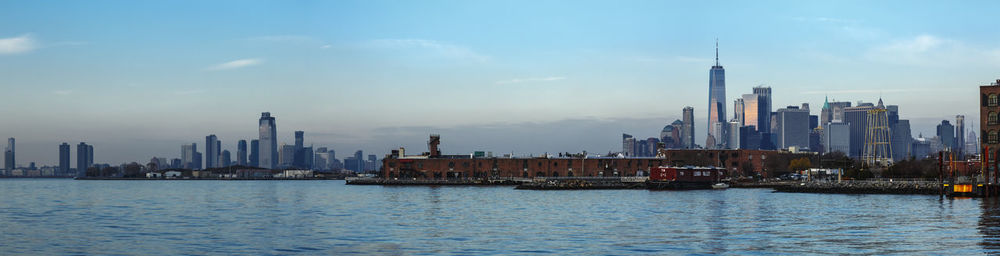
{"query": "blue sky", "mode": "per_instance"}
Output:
(139, 78)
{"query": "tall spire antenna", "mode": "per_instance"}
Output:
(716, 51)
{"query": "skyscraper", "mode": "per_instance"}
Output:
(225, 159)
(299, 158)
(946, 132)
(628, 145)
(793, 127)
(241, 153)
(84, 158)
(287, 155)
(959, 144)
(902, 140)
(9, 164)
(738, 108)
(857, 118)
(268, 150)
(254, 153)
(63, 159)
(716, 101)
(763, 109)
(187, 156)
(687, 131)
(211, 151)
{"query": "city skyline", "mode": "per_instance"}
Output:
(138, 93)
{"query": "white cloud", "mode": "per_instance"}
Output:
(442, 48)
(241, 63)
(62, 92)
(932, 51)
(14, 45)
(326, 46)
(533, 79)
(864, 91)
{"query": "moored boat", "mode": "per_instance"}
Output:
(688, 177)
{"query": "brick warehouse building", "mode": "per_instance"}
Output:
(433, 165)
(989, 109)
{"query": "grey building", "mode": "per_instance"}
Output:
(268, 148)
(8, 156)
(299, 158)
(833, 111)
(225, 159)
(837, 137)
(738, 108)
(946, 132)
(187, 156)
(241, 153)
(84, 158)
(212, 151)
(64, 159)
(628, 145)
(902, 140)
(687, 129)
(793, 127)
(959, 144)
(716, 100)
(733, 142)
(254, 158)
(857, 117)
(287, 155)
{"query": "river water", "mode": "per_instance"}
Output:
(60, 217)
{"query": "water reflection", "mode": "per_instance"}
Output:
(989, 225)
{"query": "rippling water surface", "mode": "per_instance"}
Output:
(52, 216)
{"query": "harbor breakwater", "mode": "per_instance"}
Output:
(863, 187)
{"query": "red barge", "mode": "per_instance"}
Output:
(665, 177)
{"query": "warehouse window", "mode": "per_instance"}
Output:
(992, 118)
(993, 100)
(992, 137)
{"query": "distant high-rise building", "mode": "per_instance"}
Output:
(9, 164)
(716, 100)
(757, 109)
(836, 137)
(959, 144)
(84, 159)
(307, 158)
(833, 111)
(268, 148)
(254, 159)
(187, 156)
(64, 159)
(241, 153)
(225, 160)
(857, 117)
(373, 162)
(287, 155)
(687, 131)
(738, 108)
(946, 132)
(628, 145)
(212, 151)
(196, 158)
(902, 141)
(971, 143)
(299, 158)
(734, 134)
(793, 127)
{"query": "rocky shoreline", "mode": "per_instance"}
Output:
(863, 187)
